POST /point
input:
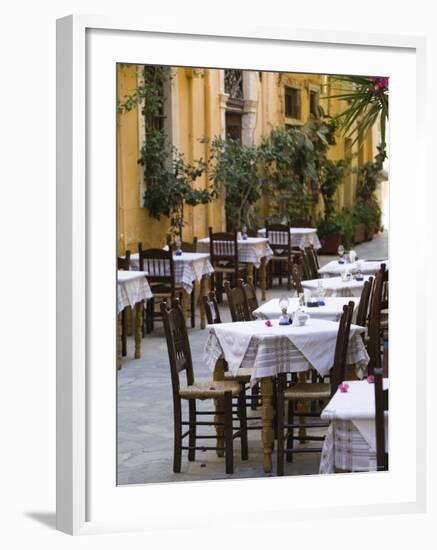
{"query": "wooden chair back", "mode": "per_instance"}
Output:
(338, 371)
(211, 308)
(252, 232)
(305, 268)
(384, 298)
(381, 405)
(124, 263)
(313, 261)
(279, 238)
(237, 303)
(250, 295)
(297, 278)
(223, 248)
(159, 265)
(374, 325)
(363, 307)
(189, 247)
(178, 344)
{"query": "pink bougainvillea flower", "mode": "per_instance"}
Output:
(343, 387)
(268, 323)
(371, 379)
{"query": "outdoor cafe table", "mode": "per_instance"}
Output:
(301, 237)
(269, 350)
(254, 251)
(331, 310)
(350, 443)
(334, 286)
(132, 290)
(367, 267)
(189, 267)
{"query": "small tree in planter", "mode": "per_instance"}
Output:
(234, 167)
(330, 234)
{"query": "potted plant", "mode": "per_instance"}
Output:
(347, 221)
(330, 233)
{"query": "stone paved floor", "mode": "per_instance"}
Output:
(145, 415)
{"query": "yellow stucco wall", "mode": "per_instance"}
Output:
(196, 97)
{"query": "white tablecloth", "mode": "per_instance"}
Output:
(132, 287)
(334, 286)
(188, 267)
(350, 443)
(275, 349)
(300, 237)
(367, 267)
(331, 311)
(250, 250)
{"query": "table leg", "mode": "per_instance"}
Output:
(204, 289)
(139, 306)
(119, 339)
(263, 278)
(267, 422)
(219, 374)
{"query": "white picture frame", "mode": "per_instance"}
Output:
(85, 500)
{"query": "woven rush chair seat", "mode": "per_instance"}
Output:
(209, 389)
(315, 391)
(243, 374)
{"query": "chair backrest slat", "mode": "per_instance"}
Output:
(178, 345)
(211, 309)
(374, 325)
(313, 261)
(338, 370)
(363, 307)
(124, 263)
(159, 265)
(237, 303)
(279, 237)
(250, 295)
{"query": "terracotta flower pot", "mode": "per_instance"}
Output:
(330, 243)
(360, 233)
(369, 234)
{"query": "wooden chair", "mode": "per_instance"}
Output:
(313, 261)
(224, 257)
(250, 295)
(301, 391)
(381, 405)
(179, 354)
(297, 278)
(123, 264)
(211, 308)
(243, 375)
(363, 307)
(159, 265)
(305, 267)
(237, 303)
(279, 237)
(373, 339)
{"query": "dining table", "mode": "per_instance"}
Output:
(133, 290)
(254, 251)
(337, 267)
(301, 237)
(335, 286)
(189, 268)
(350, 443)
(269, 348)
(330, 308)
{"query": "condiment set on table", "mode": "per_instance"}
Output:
(351, 257)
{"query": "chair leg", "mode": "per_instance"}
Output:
(290, 440)
(193, 307)
(229, 440)
(123, 333)
(280, 432)
(243, 422)
(177, 449)
(255, 397)
(192, 436)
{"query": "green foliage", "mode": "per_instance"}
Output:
(347, 222)
(367, 209)
(291, 160)
(168, 176)
(368, 101)
(333, 173)
(328, 226)
(234, 167)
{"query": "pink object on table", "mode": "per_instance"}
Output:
(343, 387)
(371, 379)
(268, 323)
